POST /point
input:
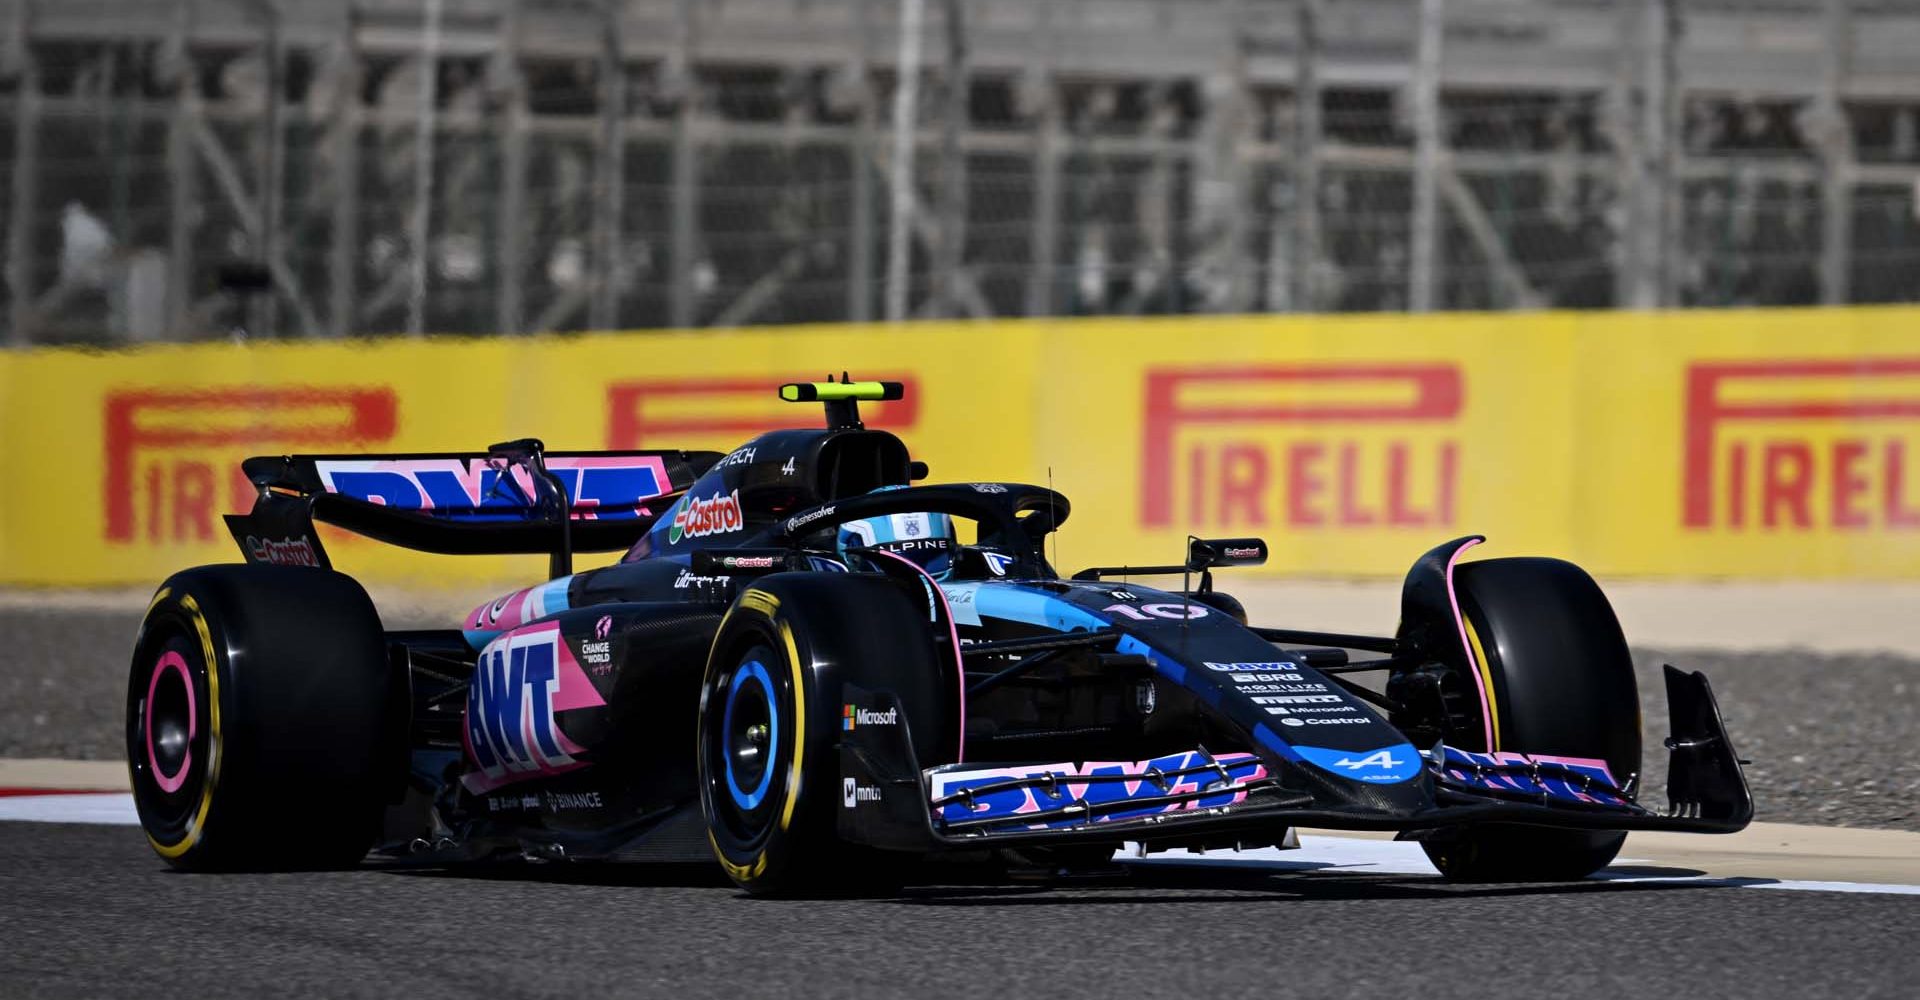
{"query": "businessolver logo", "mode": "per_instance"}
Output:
(173, 455)
(1302, 447)
(1802, 446)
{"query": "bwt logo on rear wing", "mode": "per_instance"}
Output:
(169, 450)
(602, 487)
(1799, 445)
(1304, 446)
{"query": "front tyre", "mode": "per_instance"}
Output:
(770, 714)
(258, 706)
(753, 743)
(1560, 682)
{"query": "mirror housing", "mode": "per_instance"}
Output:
(1215, 553)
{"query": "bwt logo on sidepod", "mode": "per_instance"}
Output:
(169, 451)
(1803, 445)
(1304, 446)
(521, 681)
(685, 412)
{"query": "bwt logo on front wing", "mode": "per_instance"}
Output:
(170, 452)
(1802, 445)
(1303, 446)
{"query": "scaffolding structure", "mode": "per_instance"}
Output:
(180, 169)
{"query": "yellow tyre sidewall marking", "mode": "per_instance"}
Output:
(739, 873)
(197, 827)
(799, 724)
(1485, 669)
(769, 606)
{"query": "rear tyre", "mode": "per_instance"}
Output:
(257, 719)
(769, 770)
(1561, 682)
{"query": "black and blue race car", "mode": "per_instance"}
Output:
(815, 671)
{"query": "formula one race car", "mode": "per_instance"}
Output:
(812, 670)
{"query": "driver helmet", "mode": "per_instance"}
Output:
(926, 539)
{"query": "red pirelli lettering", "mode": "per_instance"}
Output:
(1324, 481)
(1786, 478)
(195, 420)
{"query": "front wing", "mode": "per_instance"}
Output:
(1200, 797)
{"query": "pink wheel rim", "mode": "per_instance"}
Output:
(171, 661)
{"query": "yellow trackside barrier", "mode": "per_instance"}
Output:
(1742, 444)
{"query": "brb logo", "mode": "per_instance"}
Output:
(521, 681)
(1799, 445)
(168, 451)
(1303, 446)
(695, 412)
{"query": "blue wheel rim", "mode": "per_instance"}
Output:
(755, 670)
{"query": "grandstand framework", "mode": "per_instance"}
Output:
(178, 169)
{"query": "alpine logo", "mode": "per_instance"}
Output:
(1383, 759)
(1382, 766)
(914, 545)
(715, 515)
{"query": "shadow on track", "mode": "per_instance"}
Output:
(1147, 884)
(983, 884)
(636, 875)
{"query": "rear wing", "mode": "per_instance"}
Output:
(516, 498)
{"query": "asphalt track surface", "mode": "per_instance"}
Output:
(1831, 738)
(88, 911)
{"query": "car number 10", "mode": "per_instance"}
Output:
(1147, 612)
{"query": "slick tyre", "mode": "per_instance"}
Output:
(258, 719)
(1560, 682)
(769, 729)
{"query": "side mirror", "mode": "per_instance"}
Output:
(1214, 553)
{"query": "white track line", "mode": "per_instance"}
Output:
(1318, 854)
(106, 808)
(1347, 855)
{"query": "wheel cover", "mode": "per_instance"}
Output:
(745, 752)
(172, 721)
(167, 738)
(750, 733)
